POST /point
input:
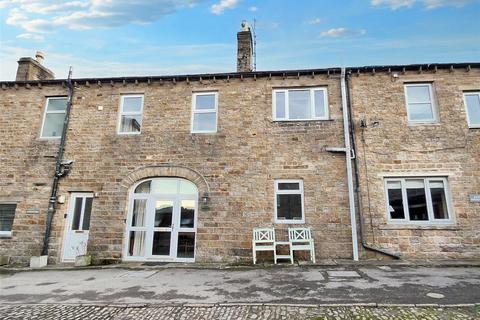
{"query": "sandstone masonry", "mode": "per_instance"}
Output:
(235, 168)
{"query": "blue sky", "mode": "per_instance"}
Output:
(101, 38)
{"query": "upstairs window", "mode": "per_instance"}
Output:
(7, 214)
(131, 110)
(418, 200)
(420, 103)
(300, 104)
(472, 104)
(289, 201)
(204, 112)
(55, 110)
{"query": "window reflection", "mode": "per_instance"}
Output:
(187, 219)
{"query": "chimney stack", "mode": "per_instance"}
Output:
(245, 48)
(32, 69)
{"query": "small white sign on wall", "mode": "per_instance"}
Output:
(475, 198)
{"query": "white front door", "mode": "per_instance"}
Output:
(77, 226)
(161, 225)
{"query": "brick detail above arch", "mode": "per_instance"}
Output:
(166, 170)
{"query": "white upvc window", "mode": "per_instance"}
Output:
(54, 117)
(7, 215)
(472, 106)
(418, 200)
(204, 112)
(300, 104)
(289, 206)
(421, 106)
(131, 114)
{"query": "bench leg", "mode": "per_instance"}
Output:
(312, 253)
(254, 256)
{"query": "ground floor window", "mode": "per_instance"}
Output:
(289, 201)
(418, 200)
(7, 215)
(161, 222)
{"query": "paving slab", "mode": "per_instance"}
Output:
(137, 274)
(343, 274)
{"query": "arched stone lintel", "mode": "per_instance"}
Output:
(166, 170)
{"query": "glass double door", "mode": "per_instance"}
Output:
(171, 233)
(162, 228)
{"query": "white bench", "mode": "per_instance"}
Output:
(263, 240)
(300, 239)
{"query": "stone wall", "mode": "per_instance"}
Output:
(390, 146)
(240, 163)
(27, 167)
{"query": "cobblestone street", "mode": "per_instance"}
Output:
(258, 312)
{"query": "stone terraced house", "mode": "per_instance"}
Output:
(182, 168)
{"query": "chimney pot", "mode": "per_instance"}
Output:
(40, 56)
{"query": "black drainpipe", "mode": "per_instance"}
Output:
(61, 167)
(357, 180)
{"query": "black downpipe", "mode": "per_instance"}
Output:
(357, 180)
(59, 168)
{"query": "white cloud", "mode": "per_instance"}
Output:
(432, 4)
(222, 5)
(428, 4)
(15, 17)
(342, 32)
(43, 16)
(393, 4)
(30, 36)
(313, 21)
(44, 8)
(253, 9)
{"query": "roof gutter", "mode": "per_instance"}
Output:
(61, 167)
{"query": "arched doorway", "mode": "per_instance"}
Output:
(162, 221)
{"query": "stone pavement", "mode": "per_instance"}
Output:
(281, 284)
(282, 292)
(258, 312)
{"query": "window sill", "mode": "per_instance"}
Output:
(419, 227)
(416, 124)
(5, 235)
(123, 134)
(290, 221)
(300, 120)
(49, 139)
(203, 132)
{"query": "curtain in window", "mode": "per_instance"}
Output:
(137, 238)
(130, 123)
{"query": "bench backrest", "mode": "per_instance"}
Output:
(263, 235)
(299, 234)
